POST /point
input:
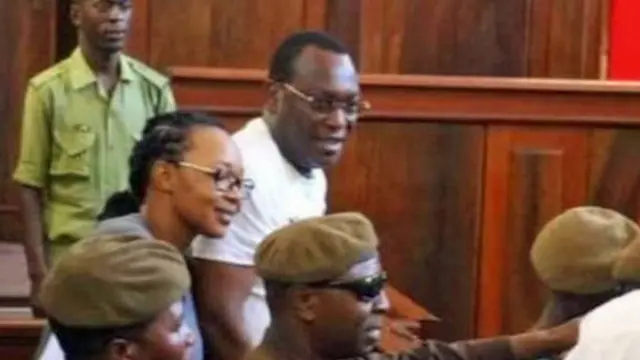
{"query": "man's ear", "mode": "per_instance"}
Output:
(74, 12)
(162, 176)
(306, 303)
(274, 103)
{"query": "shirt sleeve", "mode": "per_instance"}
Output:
(619, 346)
(167, 102)
(35, 141)
(489, 349)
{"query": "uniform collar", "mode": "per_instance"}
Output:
(82, 75)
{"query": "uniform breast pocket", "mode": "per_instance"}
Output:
(73, 158)
(70, 171)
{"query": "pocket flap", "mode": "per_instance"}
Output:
(74, 142)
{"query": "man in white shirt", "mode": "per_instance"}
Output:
(314, 103)
(611, 331)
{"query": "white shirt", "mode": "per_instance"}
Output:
(611, 331)
(281, 195)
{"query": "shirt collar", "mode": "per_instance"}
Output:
(82, 75)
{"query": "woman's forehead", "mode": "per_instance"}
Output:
(213, 146)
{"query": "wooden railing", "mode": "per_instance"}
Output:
(19, 339)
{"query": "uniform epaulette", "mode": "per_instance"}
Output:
(49, 74)
(153, 76)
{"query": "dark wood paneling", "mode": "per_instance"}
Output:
(462, 37)
(565, 38)
(240, 33)
(532, 175)
(343, 20)
(22, 22)
(418, 182)
(19, 338)
(454, 37)
(438, 98)
(615, 170)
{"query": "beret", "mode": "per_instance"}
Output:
(114, 281)
(316, 249)
(587, 250)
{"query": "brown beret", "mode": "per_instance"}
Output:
(113, 281)
(587, 250)
(316, 249)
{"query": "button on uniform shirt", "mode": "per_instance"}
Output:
(282, 195)
(76, 139)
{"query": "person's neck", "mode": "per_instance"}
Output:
(100, 62)
(287, 342)
(563, 307)
(287, 151)
(165, 225)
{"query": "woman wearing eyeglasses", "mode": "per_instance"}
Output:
(186, 179)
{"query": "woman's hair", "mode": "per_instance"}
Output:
(89, 343)
(164, 137)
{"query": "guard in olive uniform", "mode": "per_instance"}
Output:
(603, 262)
(325, 286)
(80, 121)
(119, 297)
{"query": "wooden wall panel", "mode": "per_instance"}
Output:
(614, 179)
(565, 38)
(21, 23)
(418, 182)
(462, 37)
(240, 33)
(532, 174)
(19, 339)
(541, 38)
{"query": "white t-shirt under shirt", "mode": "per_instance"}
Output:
(281, 195)
(611, 331)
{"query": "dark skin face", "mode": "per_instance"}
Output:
(195, 196)
(312, 134)
(339, 324)
(103, 25)
(166, 338)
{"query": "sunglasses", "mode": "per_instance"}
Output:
(366, 289)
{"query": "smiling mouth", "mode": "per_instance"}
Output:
(225, 216)
(330, 145)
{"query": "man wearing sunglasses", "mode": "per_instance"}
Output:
(325, 285)
(313, 105)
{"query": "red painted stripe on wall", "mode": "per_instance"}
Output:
(624, 51)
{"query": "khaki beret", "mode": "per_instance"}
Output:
(316, 249)
(113, 281)
(587, 250)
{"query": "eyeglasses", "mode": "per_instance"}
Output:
(323, 107)
(366, 289)
(223, 182)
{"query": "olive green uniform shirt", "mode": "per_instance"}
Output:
(76, 139)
